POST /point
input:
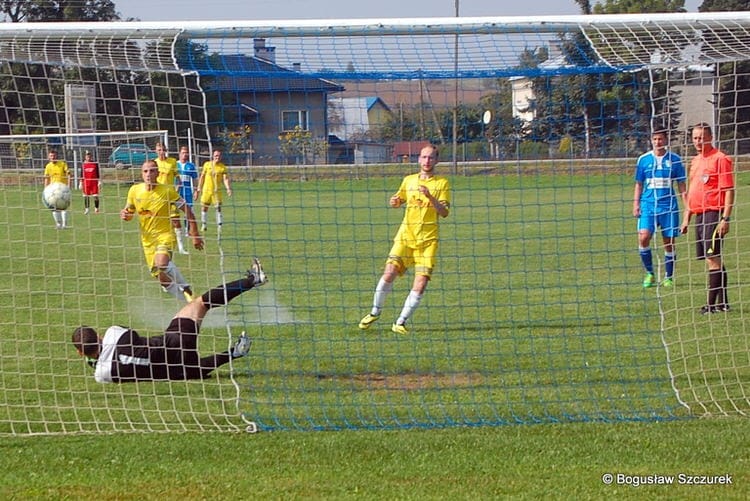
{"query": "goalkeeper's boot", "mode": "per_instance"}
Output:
(242, 346)
(367, 321)
(188, 293)
(667, 282)
(256, 271)
(399, 329)
(648, 280)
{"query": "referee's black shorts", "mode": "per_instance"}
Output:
(707, 239)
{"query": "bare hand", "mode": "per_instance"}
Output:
(126, 215)
(198, 242)
(723, 228)
(395, 201)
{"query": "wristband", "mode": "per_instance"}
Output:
(725, 219)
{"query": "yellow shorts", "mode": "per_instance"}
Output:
(210, 198)
(422, 258)
(162, 245)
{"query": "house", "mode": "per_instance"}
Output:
(254, 91)
(522, 92)
(408, 151)
(353, 121)
(522, 88)
(354, 118)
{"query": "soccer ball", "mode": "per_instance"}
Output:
(56, 196)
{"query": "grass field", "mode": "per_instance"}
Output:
(535, 315)
(550, 461)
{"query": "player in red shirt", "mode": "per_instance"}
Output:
(90, 182)
(711, 199)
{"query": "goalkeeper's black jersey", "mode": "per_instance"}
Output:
(127, 357)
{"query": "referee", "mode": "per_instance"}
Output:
(711, 199)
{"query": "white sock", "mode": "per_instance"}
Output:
(175, 290)
(57, 217)
(411, 304)
(180, 245)
(219, 218)
(177, 279)
(381, 292)
(203, 217)
(64, 215)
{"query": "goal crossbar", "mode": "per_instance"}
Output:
(356, 27)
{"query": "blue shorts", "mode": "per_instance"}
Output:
(668, 222)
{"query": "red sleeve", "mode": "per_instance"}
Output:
(726, 173)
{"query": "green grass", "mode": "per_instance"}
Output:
(524, 462)
(535, 315)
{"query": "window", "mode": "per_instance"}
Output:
(292, 119)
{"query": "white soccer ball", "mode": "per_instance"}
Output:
(57, 196)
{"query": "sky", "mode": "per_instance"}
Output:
(251, 10)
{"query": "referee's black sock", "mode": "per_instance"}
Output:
(221, 295)
(715, 280)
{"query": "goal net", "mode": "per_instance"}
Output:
(116, 150)
(535, 311)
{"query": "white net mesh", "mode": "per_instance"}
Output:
(535, 312)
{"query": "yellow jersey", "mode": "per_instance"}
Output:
(213, 177)
(57, 172)
(153, 208)
(167, 170)
(420, 223)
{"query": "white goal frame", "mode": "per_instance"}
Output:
(578, 377)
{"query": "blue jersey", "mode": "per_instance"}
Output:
(658, 175)
(186, 176)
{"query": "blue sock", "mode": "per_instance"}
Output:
(647, 259)
(669, 259)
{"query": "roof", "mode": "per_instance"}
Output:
(409, 147)
(247, 73)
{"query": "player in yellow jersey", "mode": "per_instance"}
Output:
(154, 202)
(213, 174)
(427, 199)
(167, 174)
(56, 171)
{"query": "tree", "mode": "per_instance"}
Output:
(595, 103)
(724, 5)
(585, 6)
(20, 82)
(17, 11)
(636, 6)
(299, 146)
(733, 87)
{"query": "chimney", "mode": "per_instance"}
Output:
(262, 51)
(297, 67)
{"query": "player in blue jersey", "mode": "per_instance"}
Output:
(655, 204)
(187, 174)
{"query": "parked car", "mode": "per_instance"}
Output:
(127, 155)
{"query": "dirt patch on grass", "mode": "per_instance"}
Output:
(409, 381)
